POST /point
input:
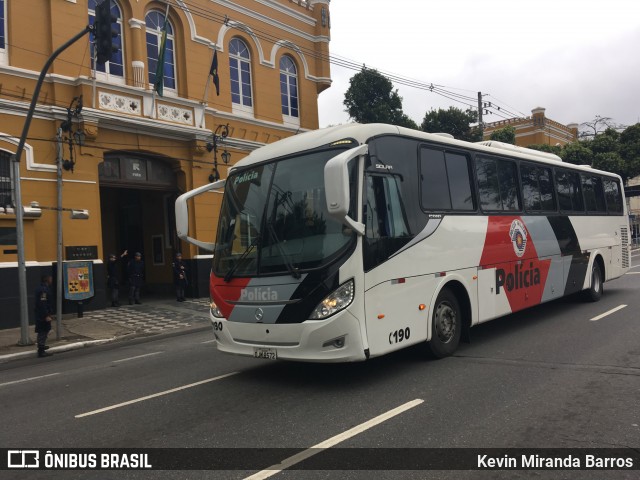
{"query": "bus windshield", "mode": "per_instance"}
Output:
(274, 219)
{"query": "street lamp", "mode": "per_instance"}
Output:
(218, 137)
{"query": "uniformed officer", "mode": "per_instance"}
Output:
(112, 278)
(44, 310)
(135, 271)
(179, 277)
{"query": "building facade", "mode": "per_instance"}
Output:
(129, 152)
(536, 130)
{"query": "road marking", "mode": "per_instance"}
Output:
(210, 341)
(602, 315)
(137, 356)
(28, 379)
(159, 394)
(341, 437)
(633, 273)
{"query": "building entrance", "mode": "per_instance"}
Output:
(137, 197)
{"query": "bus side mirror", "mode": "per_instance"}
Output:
(182, 214)
(336, 184)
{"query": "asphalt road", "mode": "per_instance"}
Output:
(550, 376)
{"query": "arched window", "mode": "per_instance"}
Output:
(240, 71)
(5, 180)
(155, 23)
(114, 69)
(3, 32)
(288, 87)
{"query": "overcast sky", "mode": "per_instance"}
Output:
(578, 59)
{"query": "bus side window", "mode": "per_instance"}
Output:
(497, 184)
(537, 188)
(593, 194)
(568, 189)
(613, 196)
(445, 182)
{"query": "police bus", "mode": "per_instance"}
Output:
(357, 240)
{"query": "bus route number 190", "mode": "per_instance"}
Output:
(399, 335)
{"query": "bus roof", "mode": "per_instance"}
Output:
(362, 133)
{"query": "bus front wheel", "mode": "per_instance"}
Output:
(594, 292)
(446, 325)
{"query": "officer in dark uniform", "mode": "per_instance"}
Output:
(135, 271)
(179, 277)
(112, 278)
(44, 310)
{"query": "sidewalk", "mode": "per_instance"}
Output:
(96, 327)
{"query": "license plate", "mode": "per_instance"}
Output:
(268, 353)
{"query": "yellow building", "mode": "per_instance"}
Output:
(139, 150)
(536, 130)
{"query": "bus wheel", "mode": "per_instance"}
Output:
(446, 325)
(594, 292)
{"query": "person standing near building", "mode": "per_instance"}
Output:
(179, 276)
(135, 272)
(112, 278)
(44, 310)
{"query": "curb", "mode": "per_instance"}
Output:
(140, 336)
(59, 348)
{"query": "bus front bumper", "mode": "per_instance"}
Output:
(336, 339)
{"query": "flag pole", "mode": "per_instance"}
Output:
(161, 50)
(205, 96)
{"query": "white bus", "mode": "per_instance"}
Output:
(353, 241)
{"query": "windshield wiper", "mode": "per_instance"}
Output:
(229, 275)
(285, 257)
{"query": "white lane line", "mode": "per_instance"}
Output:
(210, 341)
(341, 437)
(28, 379)
(633, 273)
(137, 356)
(159, 394)
(609, 312)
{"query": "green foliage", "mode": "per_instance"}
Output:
(606, 142)
(453, 121)
(630, 149)
(370, 98)
(610, 162)
(577, 153)
(506, 134)
(610, 150)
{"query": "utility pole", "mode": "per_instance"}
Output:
(59, 161)
(480, 124)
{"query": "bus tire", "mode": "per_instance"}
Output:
(446, 325)
(594, 292)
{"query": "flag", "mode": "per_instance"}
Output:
(158, 85)
(213, 71)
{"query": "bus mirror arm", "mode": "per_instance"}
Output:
(336, 184)
(182, 214)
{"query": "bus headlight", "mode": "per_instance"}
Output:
(337, 300)
(215, 311)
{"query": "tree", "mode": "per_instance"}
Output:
(453, 121)
(630, 149)
(593, 128)
(610, 162)
(506, 134)
(576, 153)
(370, 98)
(606, 142)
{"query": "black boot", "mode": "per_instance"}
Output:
(42, 353)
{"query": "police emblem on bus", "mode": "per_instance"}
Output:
(259, 314)
(518, 235)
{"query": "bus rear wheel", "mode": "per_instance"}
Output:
(594, 292)
(446, 325)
